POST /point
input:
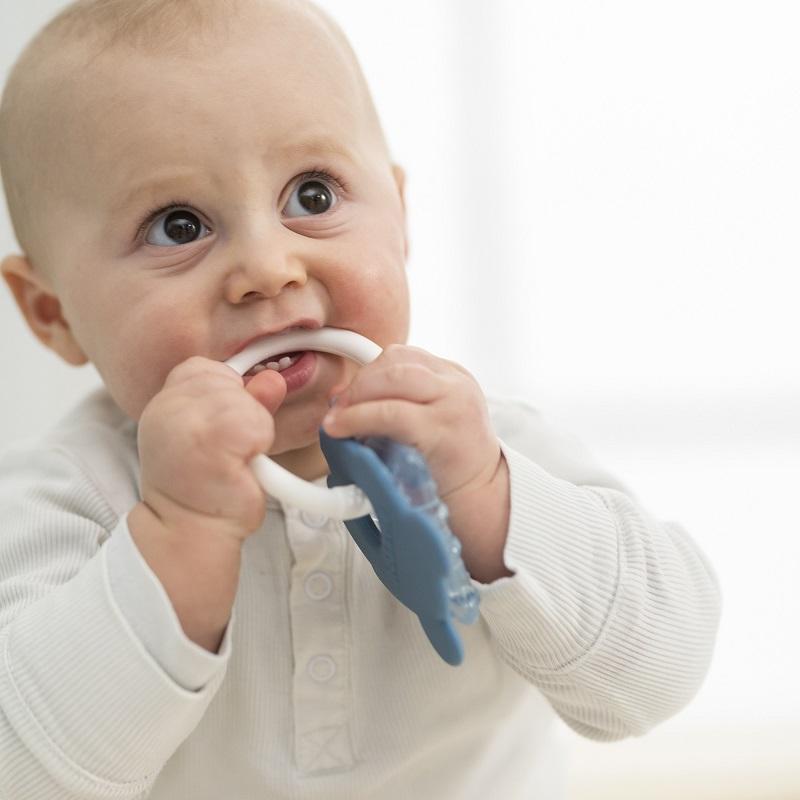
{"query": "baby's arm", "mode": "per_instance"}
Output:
(612, 614)
(74, 676)
(87, 707)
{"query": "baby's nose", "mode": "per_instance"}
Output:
(264, 274)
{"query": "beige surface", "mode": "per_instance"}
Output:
(685, 761)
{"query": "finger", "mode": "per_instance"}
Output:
(398, 419)
(401, 380)
(391, 354)
(406, 352)
(269, 388)
(410, 354)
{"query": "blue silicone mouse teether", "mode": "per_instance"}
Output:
(412, 549)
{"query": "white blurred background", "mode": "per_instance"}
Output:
(603, 202)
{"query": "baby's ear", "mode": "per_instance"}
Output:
(41, 309)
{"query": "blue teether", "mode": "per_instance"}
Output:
(414, 553)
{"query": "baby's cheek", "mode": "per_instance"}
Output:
(134, 390)
(137, 376)
(381, 304)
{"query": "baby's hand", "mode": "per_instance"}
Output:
(196, 437)
(439, 408)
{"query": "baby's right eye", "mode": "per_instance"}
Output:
(176, 226)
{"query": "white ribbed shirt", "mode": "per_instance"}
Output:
(325, 686)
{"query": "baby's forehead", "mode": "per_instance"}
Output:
(288, 61)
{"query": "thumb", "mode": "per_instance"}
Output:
(269, 388)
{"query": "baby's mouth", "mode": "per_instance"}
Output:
(337, 341)
(277, 363)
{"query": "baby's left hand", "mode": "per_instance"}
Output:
(435, 405)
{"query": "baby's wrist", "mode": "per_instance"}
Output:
(199, 572)
(481, 521)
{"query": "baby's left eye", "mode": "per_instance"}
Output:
(311, 196)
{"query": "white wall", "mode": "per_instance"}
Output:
(603, 207)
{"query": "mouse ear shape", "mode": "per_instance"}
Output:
(442, 635)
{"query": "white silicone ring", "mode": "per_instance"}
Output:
(341, 502)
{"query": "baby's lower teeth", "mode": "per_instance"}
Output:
(279, 365)
(285, 362)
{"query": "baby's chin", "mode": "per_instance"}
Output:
(296, 429)
(301, 455)
(290, 442)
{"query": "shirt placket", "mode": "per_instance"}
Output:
(321, 681)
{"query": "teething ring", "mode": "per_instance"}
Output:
(341, 502)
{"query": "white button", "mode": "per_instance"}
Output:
(321, 668)
(318, 585)
(313, 520)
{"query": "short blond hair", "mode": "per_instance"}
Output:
(77, 35)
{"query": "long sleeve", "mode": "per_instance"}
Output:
(611, 613)
(86, 710)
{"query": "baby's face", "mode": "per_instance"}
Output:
(220, 198)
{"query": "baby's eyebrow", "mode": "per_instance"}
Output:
(317, 145)
(151, 186)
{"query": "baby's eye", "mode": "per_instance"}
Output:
(176, 226)
(311, 196)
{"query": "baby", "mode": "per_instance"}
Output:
(184, 177)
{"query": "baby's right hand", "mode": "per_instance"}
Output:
(196, 437)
